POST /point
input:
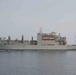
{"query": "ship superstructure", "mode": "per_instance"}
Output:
(45, 41)
(50, 39)
(42, 39)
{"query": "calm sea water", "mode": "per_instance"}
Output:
(38, 63)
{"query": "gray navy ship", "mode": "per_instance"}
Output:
(45, 41)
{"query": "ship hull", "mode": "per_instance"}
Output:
(37, 47)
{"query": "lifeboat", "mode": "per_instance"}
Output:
(48, 38)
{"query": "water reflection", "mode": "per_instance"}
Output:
(38, 63)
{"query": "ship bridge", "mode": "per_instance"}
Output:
(50, 39)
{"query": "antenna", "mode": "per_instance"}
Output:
(40, 30)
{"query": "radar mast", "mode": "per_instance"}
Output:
(40, 30)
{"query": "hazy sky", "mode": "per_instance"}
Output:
(25, 17)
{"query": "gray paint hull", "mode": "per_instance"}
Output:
(37, 47)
